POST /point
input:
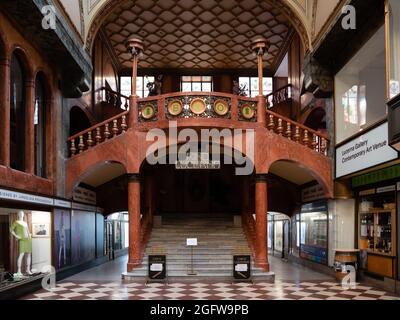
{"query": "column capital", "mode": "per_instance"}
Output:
(133, 177)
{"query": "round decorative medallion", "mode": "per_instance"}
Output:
(148, 112)
(221, 107)
(198, 106)
(175, 108)
(248, 112)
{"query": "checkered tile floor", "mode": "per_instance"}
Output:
(205, 291)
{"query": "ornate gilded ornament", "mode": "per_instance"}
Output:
(148, 112)
(221, 107)
(175, 108)
(247, 112)
(198, 106)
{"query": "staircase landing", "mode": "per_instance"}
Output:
(218, 240)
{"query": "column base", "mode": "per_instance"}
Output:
(263, 265)
(133, 265)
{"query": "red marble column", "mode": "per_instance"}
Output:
(134, 221)
(5, 112)
(149, 198)
(29, 127)
(261, 110)
(245, 196)
(261, 222)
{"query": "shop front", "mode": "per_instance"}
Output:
(41, 235)
(377, 197)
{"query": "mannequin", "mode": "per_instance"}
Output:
(20, 231)
(62, 241)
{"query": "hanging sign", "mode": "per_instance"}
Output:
(313, 193)
(84, 195)
(157, 267)
(368, 150)
(241, 267)
(198, 161)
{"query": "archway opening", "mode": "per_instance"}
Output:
(79, 121)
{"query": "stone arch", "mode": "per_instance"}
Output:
(288, 8)
(80, 119)
(93, 168)
(323, 177)
(141, 156)
(22, 55)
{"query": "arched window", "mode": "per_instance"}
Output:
(39, 121)
(17, 114)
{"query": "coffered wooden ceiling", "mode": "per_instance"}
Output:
(198, 34)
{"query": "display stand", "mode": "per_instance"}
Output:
(191, 242)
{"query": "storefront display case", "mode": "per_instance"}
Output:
(377, 234)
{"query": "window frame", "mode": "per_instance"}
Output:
(202, 81)
(250, 91)
(143, 89)
(40, 138)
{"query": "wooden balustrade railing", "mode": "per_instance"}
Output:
(279, 96)
(113, 98)
(98, 133)
(297, 132)
(234, 109)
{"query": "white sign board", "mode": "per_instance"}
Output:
(241, 267)
(368, 150)
(25, 197)
(84, 195)
(313, 193)
(191, 242)
(156, 267)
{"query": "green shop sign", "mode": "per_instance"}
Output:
(377, 176)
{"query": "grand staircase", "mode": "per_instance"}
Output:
(218, 240)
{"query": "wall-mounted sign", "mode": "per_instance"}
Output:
(191, 242)
(198, 161)
(157, 269)
(84, 195)
(241, 267)
(367, 192)
(62, 203)
(386, 189)
(25, 197)
(84, 207)
(368, 150)
(313, 193)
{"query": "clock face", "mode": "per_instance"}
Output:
(175, 108)
(248, 112)
(148, 112)
(221, 107)
(198, 106)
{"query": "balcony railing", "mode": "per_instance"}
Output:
(232, 110)
(113, 98)
(281, 95)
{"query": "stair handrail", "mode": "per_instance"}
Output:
(94, 134)
(118, 95)
(280, 95)
(297, 132)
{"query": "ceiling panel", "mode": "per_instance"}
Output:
(200, 34)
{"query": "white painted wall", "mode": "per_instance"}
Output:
(341, 226)
(73, 10)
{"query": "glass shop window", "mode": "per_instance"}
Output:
(196, 84)
(360, 91)
(394, 48)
